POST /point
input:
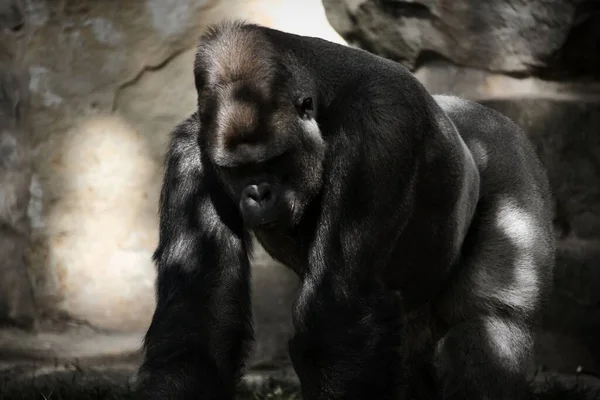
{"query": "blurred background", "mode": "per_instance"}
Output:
(90, 89)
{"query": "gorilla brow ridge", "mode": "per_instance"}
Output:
(235, 51)
(238, 67)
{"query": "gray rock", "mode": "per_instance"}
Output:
(11, 16)
(16, 294)
(479, 84)
(107, 82)
(571, 323)
(516, 36)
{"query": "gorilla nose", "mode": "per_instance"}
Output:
(258, 204)
(260, 195)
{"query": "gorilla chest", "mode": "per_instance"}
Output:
(283, 247)
(418, 272)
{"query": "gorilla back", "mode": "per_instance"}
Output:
(420, 227)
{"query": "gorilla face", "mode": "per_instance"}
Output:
(268, 155)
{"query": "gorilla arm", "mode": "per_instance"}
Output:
(349, 329)
(201, 327)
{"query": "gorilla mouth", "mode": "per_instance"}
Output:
(269, 220)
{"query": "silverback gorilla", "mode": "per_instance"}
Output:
(420, 227)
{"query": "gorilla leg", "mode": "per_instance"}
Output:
(348, 342)
(493, 302)
(484, 359)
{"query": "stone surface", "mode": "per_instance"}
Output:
(16, 295)
(102, 111)
(107, 82)
(545, 37)
(68, 345)
(571, 324)
(479, 84)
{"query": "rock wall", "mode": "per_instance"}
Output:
(538, 62)
(105, 84)
(16, 296)
(553, 38)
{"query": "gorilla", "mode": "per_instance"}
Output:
(419, 225)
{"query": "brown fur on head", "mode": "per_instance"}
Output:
(234, 51)
(251, 105)
(237, 71)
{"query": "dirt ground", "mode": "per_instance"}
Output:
(65, 360)
(112, 382)
(79, 363)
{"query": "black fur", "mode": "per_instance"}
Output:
(420, 226)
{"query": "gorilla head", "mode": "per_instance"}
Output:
(261, 133)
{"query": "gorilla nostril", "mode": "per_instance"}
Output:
(266, 195)
(251, 192)
(261, 194)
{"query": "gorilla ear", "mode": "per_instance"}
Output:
(306, 108)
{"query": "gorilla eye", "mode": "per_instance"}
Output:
(306, 107)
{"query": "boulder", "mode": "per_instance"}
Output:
(554, 38)
(16, 296)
